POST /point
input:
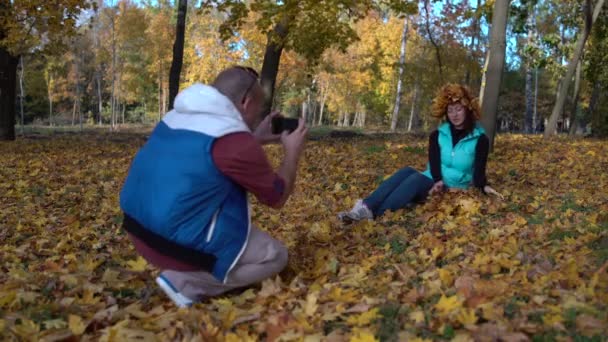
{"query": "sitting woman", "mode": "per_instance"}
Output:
(458, 151)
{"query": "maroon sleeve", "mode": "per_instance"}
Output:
(241, 158)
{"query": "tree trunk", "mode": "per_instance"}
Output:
(346, 119)
(304, 113)
(473, 46)
(113, 101)
(577, 87)
(49, 92)
(124, 108)
(99, 98)
(528, 123)
(413, 111)
(363, 115)
(8, 93)
(178, 52)
(21, 92)
(270, 66)
(495, 68)
(74, 113)
(535, 116)
(400, 77)
(428, 30)
(578, 50)
(484, 73)
(160, 92)
(593, 115)
(323, 98)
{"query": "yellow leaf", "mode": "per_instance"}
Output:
(137, 265)
(27, 329)
(76, 324)
(553, 319)
(448, 304)
(54, 324)
(466, 317)
(417, 316)
(311, 304)
(364, 318)
(446, 277)
(362, 336)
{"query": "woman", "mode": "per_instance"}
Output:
(458, 151)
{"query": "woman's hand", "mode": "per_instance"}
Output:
(488, 190)
(437, 187)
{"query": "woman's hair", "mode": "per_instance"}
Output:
(456, 93)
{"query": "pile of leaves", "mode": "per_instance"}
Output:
(462, 266)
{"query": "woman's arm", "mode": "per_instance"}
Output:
(481, 159)
(435, 156)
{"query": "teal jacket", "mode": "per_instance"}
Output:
(456, 161)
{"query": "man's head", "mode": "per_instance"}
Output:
(241, 86)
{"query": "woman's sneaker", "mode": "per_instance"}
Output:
(359, 212)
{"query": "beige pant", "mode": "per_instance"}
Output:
(263, 257)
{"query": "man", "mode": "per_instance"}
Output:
(185, 197)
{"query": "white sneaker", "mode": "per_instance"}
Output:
(359, 212)
(179, 299)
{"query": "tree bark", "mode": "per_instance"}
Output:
(578, 50)
(99, 98)
(495, 68)
(178, 52)
(428, 30)
(323, 98)
(270, 66)
(49, 92)
(413, 111)
(484, 73)
(473, 45)
(8, 93)
(577, 87)
(594, 116)
(113, 99)
(400, 76)
(528, 124)
(21, 91)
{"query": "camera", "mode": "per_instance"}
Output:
(280, 124)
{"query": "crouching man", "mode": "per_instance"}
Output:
(185, 197)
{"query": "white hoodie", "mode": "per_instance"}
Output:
(202, 108)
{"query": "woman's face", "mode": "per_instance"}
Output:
(457, 114)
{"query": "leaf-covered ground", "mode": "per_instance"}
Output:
(463, 266)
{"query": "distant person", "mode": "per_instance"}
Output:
(458, 151)
(185, 198)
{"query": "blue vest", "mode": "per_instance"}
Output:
(174, 190)
(456, 161)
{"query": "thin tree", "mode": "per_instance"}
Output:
(400, 75)
(590, 18)
(178, 51)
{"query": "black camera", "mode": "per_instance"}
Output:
(280, 124)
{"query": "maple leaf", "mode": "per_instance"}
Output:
(76, 324)
(311, 304)
(466, 316)
(446, 305)
(137, 265)
(364, 318)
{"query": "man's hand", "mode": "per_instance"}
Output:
(263, 133)
(294, 142)
(437, 187)
(488, 190)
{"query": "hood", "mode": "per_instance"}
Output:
(202, 108)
